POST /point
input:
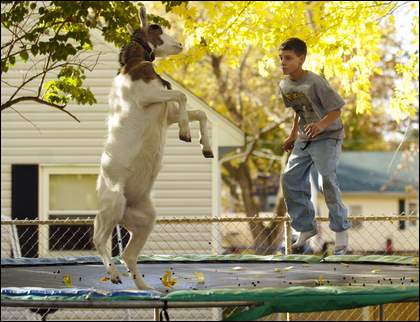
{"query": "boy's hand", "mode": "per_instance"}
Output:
(313, 129)
(289, 144)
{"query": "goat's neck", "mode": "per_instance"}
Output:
(148, 52)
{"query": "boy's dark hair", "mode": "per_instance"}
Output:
(295, 44)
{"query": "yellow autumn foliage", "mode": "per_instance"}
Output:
(343, 39)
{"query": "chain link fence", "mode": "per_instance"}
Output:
(397, 235)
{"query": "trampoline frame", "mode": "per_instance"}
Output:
(157, 305)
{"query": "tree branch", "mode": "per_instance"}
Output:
(223, 88)
(26, 119)
(237, 17)
(240, 87)
(251, 147)
(38, 100)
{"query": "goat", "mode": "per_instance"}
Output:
(142, 106)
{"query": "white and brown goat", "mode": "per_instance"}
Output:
(142, 106)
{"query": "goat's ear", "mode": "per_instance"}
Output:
(143, 17)
(130, 29)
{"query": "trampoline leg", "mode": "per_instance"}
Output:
(381, 312)
(156, 314)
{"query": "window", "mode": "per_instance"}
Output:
(412, 211)
(356, 210)
(401, 209)
(67, 193)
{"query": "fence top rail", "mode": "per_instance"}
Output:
(196, 220)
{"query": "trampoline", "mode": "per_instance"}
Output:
(261, 284)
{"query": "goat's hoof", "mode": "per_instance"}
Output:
(185, 138)
(208, 154)
(116, 280)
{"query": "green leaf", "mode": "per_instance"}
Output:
(34, 50)
(4, 66)
(24, 55)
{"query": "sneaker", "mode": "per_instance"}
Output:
(341, 243)
(303, 237)
(340, 250)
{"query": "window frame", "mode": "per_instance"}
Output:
(409, 202)
(44, 193)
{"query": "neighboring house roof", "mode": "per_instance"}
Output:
(378, 171)
(367, 172)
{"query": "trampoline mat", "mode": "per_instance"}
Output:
(189, 276)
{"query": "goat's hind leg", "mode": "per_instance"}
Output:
(139, 221)
(111, 211)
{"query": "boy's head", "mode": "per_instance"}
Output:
(292, 55)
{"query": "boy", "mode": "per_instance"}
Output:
(316, 139)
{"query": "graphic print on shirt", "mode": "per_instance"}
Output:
(302, 106)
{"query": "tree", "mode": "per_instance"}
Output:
(57, 37)
(231, 63)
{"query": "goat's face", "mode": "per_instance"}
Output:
(162, 44)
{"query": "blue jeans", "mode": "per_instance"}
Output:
(324, 154)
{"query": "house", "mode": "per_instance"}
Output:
(372, 184)
(378, 184)
(49, 166)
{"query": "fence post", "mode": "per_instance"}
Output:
(288, 238)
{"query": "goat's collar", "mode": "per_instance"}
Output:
(148, 52)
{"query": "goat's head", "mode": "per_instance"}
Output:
(152, 36)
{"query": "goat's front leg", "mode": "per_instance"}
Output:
(163, 96)
(196, 115)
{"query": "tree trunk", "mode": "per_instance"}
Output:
(266, 237)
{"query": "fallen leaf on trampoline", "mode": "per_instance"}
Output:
(104, 279)
(67, 280)
(375, 271)
(288, 268)
(167, 279)
(200, 277)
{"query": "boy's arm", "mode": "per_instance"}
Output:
(295, 127)
(330, 118)
(313, 129)
(290, 141)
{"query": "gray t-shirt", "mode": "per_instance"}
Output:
(312, 98)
